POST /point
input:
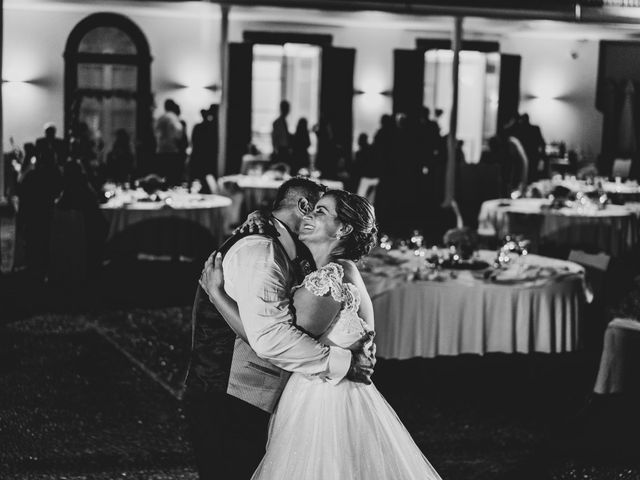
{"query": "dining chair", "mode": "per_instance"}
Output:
(212, 183)
(621, 168)
(597, 273)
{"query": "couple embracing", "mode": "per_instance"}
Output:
(284, 393)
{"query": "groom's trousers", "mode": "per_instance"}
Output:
(229, 436)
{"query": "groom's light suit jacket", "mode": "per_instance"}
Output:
(259, 273)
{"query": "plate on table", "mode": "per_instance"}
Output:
(465, 265)
(517, 274)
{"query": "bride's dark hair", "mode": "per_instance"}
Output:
(356, 211)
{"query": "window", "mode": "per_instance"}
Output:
(107, 83)
(284, 72)
(479, 79)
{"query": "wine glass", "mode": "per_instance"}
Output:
(417, 239)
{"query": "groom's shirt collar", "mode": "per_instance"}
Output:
(285, 238)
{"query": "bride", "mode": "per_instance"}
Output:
(346, 431)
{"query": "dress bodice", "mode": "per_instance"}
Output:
(348, 327)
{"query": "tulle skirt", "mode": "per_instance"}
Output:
(339, 432)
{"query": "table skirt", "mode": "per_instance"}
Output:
(427, 319)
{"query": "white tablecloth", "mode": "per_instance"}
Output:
(613, 230)
(620, 192)
(205, 210)
(469, 315)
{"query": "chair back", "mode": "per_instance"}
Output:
(599, 261)
(212, 183)
(621, 167)
(596, 266)
(518, 154)
(367, 188)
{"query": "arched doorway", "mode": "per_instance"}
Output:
(108, 84)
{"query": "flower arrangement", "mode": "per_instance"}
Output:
(464, 240)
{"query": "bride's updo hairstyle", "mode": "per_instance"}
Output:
(356, 211)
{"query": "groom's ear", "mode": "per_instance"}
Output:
(304, 206)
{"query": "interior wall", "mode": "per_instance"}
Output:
(184, 45)
(558, 81)
(558, 76)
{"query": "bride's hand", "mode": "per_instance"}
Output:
(212, 278)
(256, 222)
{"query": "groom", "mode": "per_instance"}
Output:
(233, 386)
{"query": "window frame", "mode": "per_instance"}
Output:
(142, 60)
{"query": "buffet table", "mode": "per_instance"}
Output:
(532, 306)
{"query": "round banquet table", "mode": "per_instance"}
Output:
(619, 370)
(126, 211)
(613, 230)
(528, 312)
(260, 190)
(618, 192)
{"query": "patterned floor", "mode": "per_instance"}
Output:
(95, 395)
(90, 397)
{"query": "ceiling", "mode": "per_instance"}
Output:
(482, 18)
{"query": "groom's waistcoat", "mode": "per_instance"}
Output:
(214, 345)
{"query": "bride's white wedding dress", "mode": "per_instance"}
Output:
(346, 431)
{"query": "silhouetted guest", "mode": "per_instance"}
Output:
(510, 128)
(51, 148)
(533, 143)
(494, 153)
(397, 195)
(343, 167)
(383, 143)
(169, 132)
(429, 131)
(84, 147)
(204, 145)
(428, 145)
(460, 156)
(78, 194)
(326, 155)
(363, 164)
(14, 162)
(300, 146)
(120, 161)
(280, 136)
(37, 190)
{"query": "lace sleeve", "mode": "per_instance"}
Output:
(327, 279)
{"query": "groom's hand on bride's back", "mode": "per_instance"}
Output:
(363, 360)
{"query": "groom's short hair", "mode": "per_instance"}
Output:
(293, 189)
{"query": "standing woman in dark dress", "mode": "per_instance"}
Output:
(301, 143)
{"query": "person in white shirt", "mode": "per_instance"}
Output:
(229, 430)
(169, 133)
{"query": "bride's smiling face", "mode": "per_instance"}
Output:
(322, 224)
